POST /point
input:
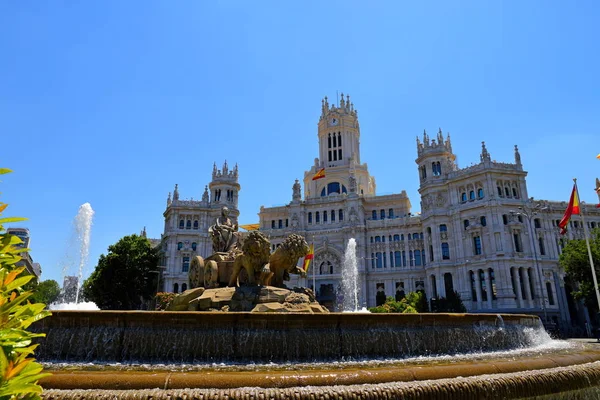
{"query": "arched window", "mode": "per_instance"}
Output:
(397, 259)
(423, 172)
(391, 213)
(181, 224)
(429, 230)
(179, 245)
(382, 214)
(374, 214)
(339, 139)
(411, 258)
(196, 224)
(371, 239)
(383, 238)
(480, 193)
(515, 193)
(493, 283)
(537, 223)
(483, 221)
(341, 215)
(377, 239)
(326, 267)
(183, 287)
(334, 140)
(445, 251)
(505, 219)
(415, 236)
(329, 142)
(317, 217)
(542, 247)
(333, 187)
(463, 197)
(391, 259)
(175, 288)
(325, 216)
(332, 215)
(417, 258)
(273, 224)
(507, 192)
(443, 228)
(499, 191)
(396, 238)
(402, 236)
(379, 260)
(466, 223)
(188, 224)
(472, 195)
(550, 294)
(194, 246)
(185, 264)
(310, 217)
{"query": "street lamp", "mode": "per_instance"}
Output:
(529, 212)
(158, 272)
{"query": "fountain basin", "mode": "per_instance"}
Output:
(192, 337)
(177, 355)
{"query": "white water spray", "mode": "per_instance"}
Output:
(83, 227)
(80, 237)
(350, 278)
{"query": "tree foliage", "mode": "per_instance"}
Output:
(451, 304)
(19, 373)
(575, 260)
(414, 302)
(125, 278)
(45, 292)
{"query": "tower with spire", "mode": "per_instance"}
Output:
(224, 187)
(338, 132)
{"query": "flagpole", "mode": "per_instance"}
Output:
(587, 243)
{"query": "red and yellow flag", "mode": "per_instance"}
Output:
(319, 175)
(572, 209)
(308, 257)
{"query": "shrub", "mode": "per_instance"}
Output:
(19, 373)
(163, 299)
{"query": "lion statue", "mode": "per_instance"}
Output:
(284, 261)
(255, 254)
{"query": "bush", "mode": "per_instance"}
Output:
(405, 306)
(451, 304)
(163, 299)
(19, 373)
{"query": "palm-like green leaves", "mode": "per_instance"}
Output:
(19, 373)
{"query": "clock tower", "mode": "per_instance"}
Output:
(339, 153)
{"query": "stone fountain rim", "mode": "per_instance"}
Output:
(224, 380)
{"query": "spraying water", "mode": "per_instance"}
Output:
(83, 227)
(350, 278)
(80, 237)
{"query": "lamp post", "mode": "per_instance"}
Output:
(158, 272)
(529, 212)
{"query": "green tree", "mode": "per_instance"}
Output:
(125, 278)
(414, 302)
(451, 304)
(575, 260)
(45, 292)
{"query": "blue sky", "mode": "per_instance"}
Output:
(114, 102)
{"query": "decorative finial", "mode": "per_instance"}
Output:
(205, 194)
(517, 155)
(485, 156)
(176, 192)
(169, 199)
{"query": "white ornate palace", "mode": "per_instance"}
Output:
(478, 233)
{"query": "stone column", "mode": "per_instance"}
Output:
(478, 289)
(517, 279)
(488, 287)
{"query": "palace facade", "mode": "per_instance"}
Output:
(478, 233)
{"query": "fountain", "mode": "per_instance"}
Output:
(308, 355)
(350, 279)
(82, 226)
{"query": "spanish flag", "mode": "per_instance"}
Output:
(572, 209)
(598, 156)
(308, 257)
(319, 175)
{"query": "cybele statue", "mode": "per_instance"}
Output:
(243, 275)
